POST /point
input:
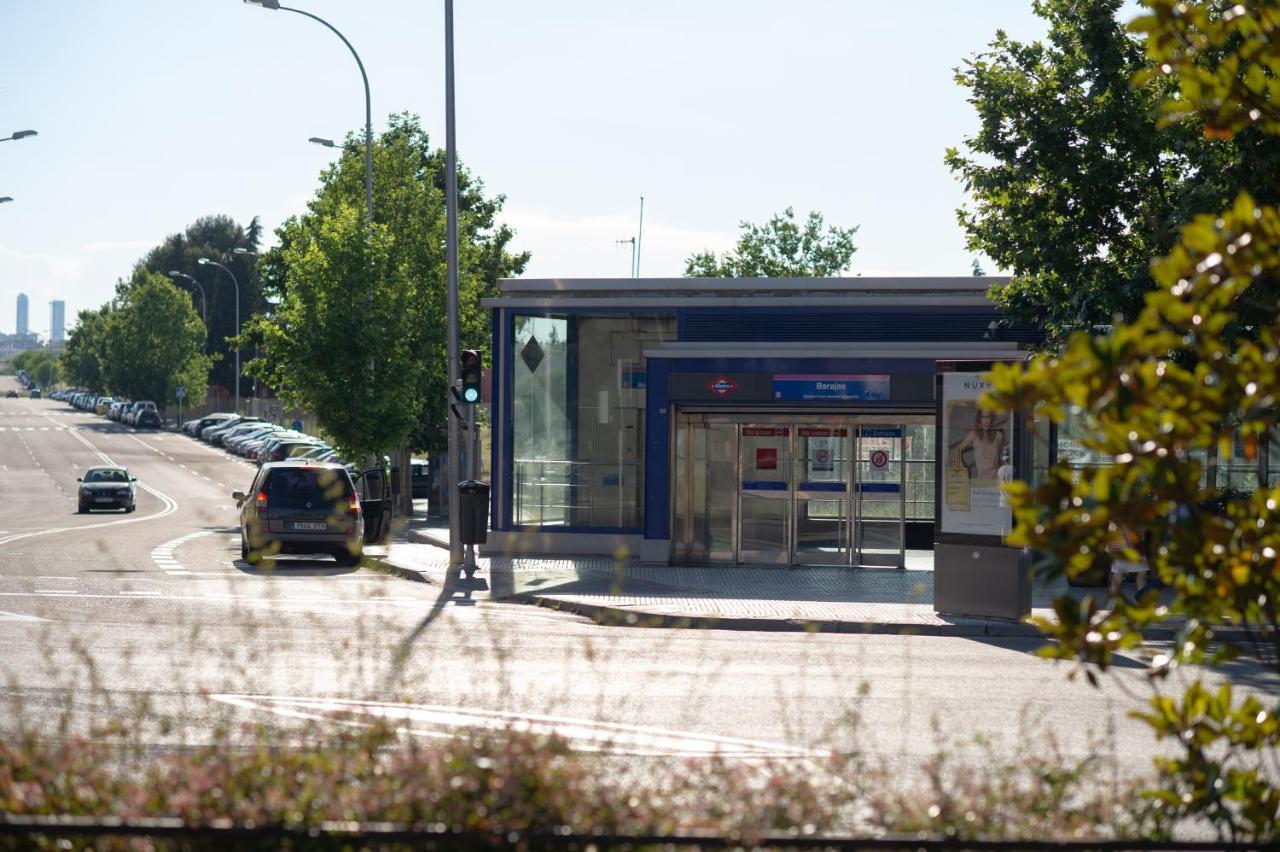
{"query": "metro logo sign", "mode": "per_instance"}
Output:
(722, 386)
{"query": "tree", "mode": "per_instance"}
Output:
(85, 353)
(350, 296)
(215, 237)
(781, 248)
(41, 364)
(1075, 182)
(154, 342)
(1185, 381)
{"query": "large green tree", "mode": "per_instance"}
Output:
(359, 333)
(1162, 396)
(217, 238)
(154, 342)
(780, 248)
(86, 350)
(1075, 183)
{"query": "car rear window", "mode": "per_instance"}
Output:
(294, 488)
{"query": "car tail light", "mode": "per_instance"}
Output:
(262, 500)
(353, 504)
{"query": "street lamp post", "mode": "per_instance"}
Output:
(4, 198)
(204, 305)
(368, 102)
(17, 134)
(204, 261)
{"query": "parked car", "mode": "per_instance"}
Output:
(295, 507)
(11, 393)
(104, 402)
(420, 478)
(35, 392)
(194, 427)
(214, 433)
(148, 418)
(106, 487)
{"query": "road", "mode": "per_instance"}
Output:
(153, 617)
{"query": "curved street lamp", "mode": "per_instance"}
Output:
(4, 198)
(368, 103)
(320, 140)
(18, 134)
(204, 261)
(204, 306)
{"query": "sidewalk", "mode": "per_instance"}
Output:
(828, 600)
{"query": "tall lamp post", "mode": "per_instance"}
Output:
(368, 103)
(204, 305)
(4, 198)
(17, 134)
(204, 261)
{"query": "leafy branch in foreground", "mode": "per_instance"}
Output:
(1194, 376)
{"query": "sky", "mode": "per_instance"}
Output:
(152, 113)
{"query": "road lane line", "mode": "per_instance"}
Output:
(17, 616)
(170, 506)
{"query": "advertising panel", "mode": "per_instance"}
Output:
(978, 452)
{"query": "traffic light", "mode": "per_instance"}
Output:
(472, 373)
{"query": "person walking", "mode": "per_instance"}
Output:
(1126, 539)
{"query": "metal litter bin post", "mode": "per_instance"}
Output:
(473, 518)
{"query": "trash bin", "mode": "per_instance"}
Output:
(473, 514)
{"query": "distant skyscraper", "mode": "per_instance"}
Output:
(57, 321)
(24, 325)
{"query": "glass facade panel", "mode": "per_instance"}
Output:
(578, 418)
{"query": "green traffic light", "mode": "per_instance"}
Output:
(471, 394)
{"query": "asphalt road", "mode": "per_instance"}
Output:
(152, 617)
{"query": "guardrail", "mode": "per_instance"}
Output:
(340, 835)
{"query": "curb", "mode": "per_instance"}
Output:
(419, 537)
(615, 616)
(375, 563)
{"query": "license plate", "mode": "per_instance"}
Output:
(309, 525)
(104, 499)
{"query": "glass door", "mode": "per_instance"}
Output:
(879, 496)
(822, 521)
(764, 494)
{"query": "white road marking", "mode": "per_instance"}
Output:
(54, 578)
(55, 592)
(170, 506)
(583, 734)
(162, 554)
(17, 616)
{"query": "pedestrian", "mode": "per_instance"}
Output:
(1126, 539)
(297, 424)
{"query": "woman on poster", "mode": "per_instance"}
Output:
(986, 442)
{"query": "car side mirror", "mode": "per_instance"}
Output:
(133, 479)
(238, 496)
(79, 479)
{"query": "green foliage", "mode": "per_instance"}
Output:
(1197, 370)
(781, 248)
(153, 342)
(332, 339)
(86, 352)
(42, 365)
(1075, 181)
(214, 237)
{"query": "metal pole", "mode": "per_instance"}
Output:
(368, 111)
(237, 288)
(451, 254)
(639, 237)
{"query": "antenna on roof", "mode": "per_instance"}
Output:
(632, 241)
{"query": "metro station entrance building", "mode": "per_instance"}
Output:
(695, 421)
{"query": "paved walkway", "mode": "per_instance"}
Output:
(743, 598)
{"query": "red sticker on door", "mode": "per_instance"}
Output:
(766, 458)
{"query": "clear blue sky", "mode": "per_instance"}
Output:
(152, 113)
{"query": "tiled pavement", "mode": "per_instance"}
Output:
(758, 598)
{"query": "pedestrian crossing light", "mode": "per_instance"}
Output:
(472, 372)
